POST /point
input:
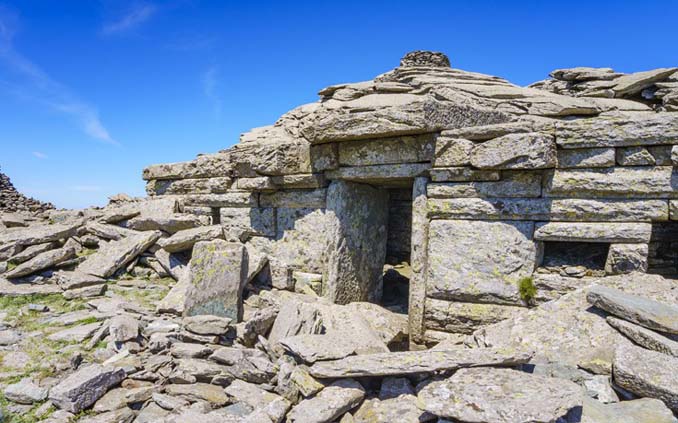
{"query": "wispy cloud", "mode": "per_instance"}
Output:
(32, 83)
(135, 16)
(40, 155)
(86, 188)
(210, 86)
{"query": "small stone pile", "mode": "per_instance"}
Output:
(12, 200)
(658, 87)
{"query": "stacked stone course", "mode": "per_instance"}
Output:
(495, 170)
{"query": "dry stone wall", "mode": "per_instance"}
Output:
(587, 157)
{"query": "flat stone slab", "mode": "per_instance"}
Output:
(403, 409)
(485, 395)
(328, 405)
(76, 333)
(647, 373)
(593, 232)
(185, 239)
(117, 254)
(11, 289)
(516, 151)
(82, 388)
(643, 410)
(410, 362)
(645, 337)
(25, 392)
(38, 234)
(643, 311)
(312, 348)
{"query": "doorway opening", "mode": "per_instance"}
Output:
(663, 249)
(397, 270)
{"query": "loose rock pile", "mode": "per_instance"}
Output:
(12, 200)
(213, 306)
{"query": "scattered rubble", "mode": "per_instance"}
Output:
(434, 245)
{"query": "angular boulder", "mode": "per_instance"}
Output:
(82, 388)
(217, 274)
(501, 396)
(41, 261)
(116, 254)
(328, 405)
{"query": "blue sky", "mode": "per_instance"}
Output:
(93, 91)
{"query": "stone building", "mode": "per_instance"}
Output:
(484, 188)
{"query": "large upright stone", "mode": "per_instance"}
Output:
(516, 151)
(643, 311)
(358, 242)
(501, 396)
(479, 261)
(116, 254)
(217, 273)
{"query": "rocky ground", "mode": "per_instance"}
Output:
(91, 330)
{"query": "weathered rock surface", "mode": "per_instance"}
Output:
(647, 373)
(41, 261)
(643, 410)
(643, 311)
(217, 273)
(25, 392)
(645, 337)
(516, 151)
(82, 388)
(330, 404)
(410, 362)
(185, 239)
(501, 395)
(566, 331)
(117, 254)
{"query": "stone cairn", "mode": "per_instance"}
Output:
(256, 284)
(12, 200)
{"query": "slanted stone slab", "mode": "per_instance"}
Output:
(38, 234)
(76, 333)
(41, 261)
(645, 337)
(566, 209)
(516, 151)
(634, 83)
(586, 158)
(634, 128)
(647, 373)
(410, 362)
(330, 404)
(617, 182)
(501, 396)
(593, 232)
(479, 261)
(512, 184)
(642, 410)
(184, 240)
(217, 276)
(82, 388)
(105, 231)
(32, 251)
(651, 314)
(116, 254)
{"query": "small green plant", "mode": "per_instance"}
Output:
(526, 289)
(11, 266)
(86, 252)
